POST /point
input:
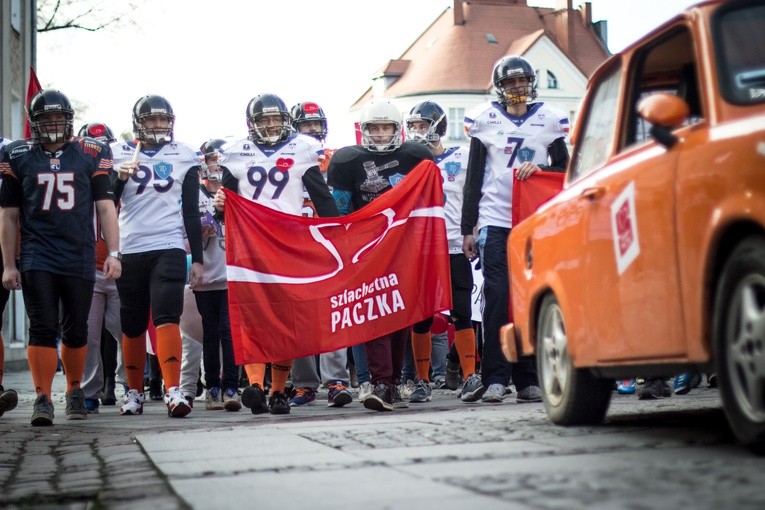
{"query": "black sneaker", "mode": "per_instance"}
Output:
(453, 376)
(655, 388)
(75, 405)
(8, 400)
(381, 398)
(254, 398)
(278, 403)
(155, 390)
(42, 413)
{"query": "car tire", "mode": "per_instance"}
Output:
(739, 341)
(572, 396)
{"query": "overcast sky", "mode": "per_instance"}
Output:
(210, 58)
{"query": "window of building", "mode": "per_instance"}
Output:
(456, 124)
(552, 81)
(16, 15)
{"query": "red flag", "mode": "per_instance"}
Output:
(299, 286)
(32, 89)
(528, 195)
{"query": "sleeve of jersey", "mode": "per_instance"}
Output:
(319, 193)
(473, 184)
(191, 217)
(101, 180)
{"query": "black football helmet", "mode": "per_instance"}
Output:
(268, 105)
(153, 106)
(513, 66)
(432, 113)
(49, 131)
(211, 169)
(97, 130)
(309, 112)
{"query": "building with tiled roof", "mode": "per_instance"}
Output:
(452, 61)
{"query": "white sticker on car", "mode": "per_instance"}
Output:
(624, 228)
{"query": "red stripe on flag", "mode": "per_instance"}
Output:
(299, 286)
(32, 89)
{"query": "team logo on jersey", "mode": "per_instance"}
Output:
(492, 115)
(246, 147)
(163, 170)
(395, 179)
(452, 169)
(526, 154)
(284, 164)
(20, 150)
(55, 165)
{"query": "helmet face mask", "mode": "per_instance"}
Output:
(153, 120)
(268, 120)
(426, 123)
(380, 125)
(51, 117)
(211, 152)
(309, 119)
(508, 81)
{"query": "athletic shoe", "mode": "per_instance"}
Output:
(439, 383)
(529, 395)
(8, 400)
(406, 389)
(365, 389)
(303, 397)
(453, 377)
(473, 389)
(682, 383)
(155, 389)
(75, 405)
(626, 387)
(231, 401)
(254, 398)
(711, 380)
(494, 394)
(381, 398)
(109, 398)
(398, 402)
(133, 403)
(91, 405)
(421, 392)
(213, 400)
(338, 395)
(277, 403)
(42, 413)
(177, 405)
(655, 388)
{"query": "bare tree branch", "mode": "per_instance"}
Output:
(88, 15)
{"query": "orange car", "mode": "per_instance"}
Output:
(651, 260)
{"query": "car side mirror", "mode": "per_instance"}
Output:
(664, 112)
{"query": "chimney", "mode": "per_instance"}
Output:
(587, 13)
(564, 24)
(459, 14)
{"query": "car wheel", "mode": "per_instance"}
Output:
(572, 396)
(739, 341)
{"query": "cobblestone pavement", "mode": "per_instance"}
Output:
(443, 454)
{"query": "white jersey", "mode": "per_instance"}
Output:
(453, 165)
(214, 272)
(272, 175)
(509, 142)
(150, 215)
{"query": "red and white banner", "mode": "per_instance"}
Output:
(299, 286)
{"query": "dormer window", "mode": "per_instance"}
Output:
(552, 81)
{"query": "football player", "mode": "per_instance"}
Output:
(8, 398)
(512, 135)
(158, 187)
(426, 124)
(250, 169)
(52, 184)
(358, 174)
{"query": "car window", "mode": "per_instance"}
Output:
(599, 127)
(667, 65)
(740, 40)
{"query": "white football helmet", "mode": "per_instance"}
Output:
(380, 111)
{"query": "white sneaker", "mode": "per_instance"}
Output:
(494, 393)
(133, 403)
(365, 389)
(406, 389)
(177, 405)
